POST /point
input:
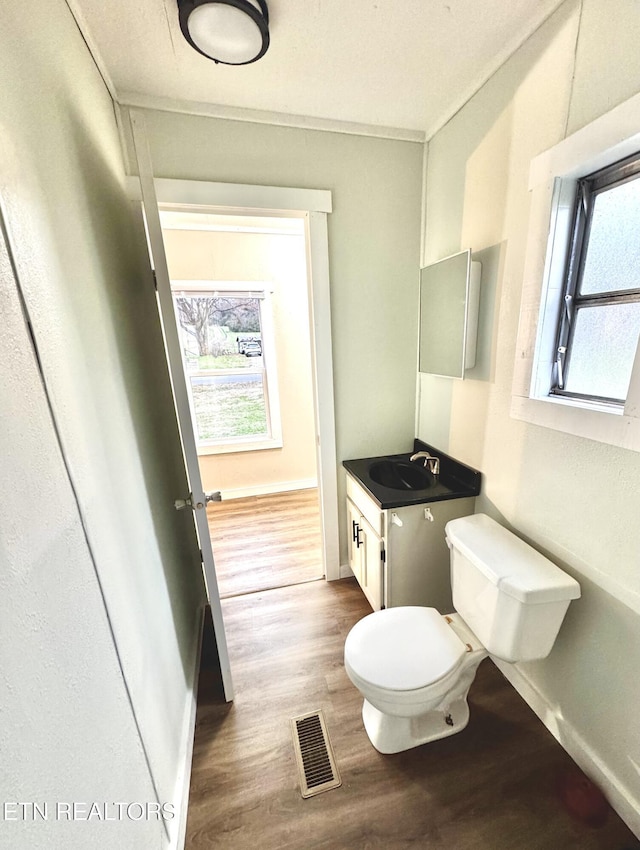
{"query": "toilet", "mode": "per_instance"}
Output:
(414, 666)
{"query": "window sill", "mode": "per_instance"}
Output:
(239, 446)
(582, 404)
(591, 421)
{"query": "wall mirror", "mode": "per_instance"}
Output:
(449, 302)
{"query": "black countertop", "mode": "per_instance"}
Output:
(455, 481)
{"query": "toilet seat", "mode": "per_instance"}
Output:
(403, 649)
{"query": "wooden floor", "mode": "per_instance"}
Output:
(268, 541)
(492, 786)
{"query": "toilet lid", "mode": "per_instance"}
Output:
(404, 648)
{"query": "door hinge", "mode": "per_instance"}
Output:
(201, 558)
(155, 279)
(383, 555)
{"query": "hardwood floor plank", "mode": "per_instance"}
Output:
(262, 542)
(491, 786)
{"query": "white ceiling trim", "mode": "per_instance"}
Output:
(280, 119)
(85, 32)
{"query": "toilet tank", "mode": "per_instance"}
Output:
(512, 597)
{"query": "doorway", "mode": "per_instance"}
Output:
(312, 205)
(240, 292)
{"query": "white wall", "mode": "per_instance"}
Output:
(576, 500)
(374, 237)
(279, 260)
(98, 634)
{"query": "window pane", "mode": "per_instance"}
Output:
(229, 406)
(222, 348)
(603, 349)
(219, 332)
(613, 250)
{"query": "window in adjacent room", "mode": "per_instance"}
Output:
(599, 324)
(229, 360)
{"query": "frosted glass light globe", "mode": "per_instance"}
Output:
(225, 33)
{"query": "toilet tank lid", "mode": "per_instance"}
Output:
(508, 562)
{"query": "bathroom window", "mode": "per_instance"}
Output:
(599, 320)
(577, 365)
(228, 356)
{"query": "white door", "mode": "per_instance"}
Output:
(196, 500)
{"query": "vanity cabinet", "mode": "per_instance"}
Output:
(399, 555)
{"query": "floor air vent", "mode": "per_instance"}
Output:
(314, 756)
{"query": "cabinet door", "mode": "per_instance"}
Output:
(355, 536)
(372, 569)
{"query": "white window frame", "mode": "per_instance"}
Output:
(261, 291)
(552, 183)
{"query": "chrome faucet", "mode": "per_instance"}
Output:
(430, 462)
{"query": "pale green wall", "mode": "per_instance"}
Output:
(95, 322)
(374, 238)
(575, 499)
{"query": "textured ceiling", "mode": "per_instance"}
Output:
(406, 64)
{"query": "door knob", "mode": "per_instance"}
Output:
(181, 504)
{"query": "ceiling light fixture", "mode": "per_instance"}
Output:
(234, 32)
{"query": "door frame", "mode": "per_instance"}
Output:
(313, 206)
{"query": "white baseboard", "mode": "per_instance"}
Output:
(265, 489)
(620, 798)
(178, 825)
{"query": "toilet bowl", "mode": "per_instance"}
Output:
(414, 666)
(415, 696)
